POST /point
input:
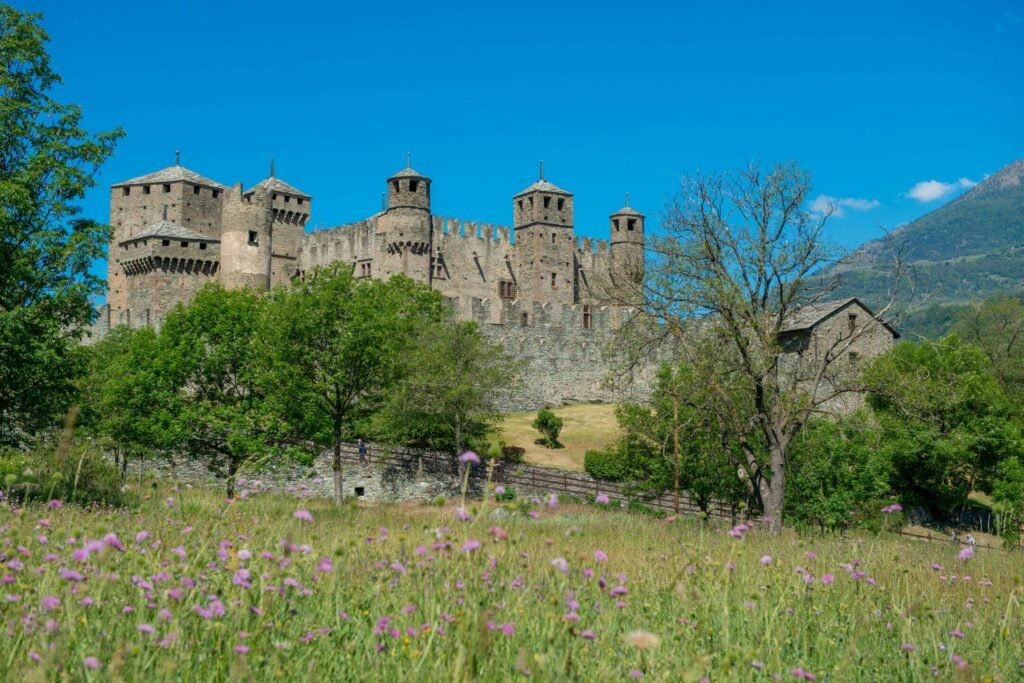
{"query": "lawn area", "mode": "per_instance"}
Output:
(587, 426)
(188, 587)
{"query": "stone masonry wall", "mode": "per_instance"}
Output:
(397, 474)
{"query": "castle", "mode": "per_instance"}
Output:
(535, 288)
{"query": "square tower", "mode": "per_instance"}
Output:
(545, 243)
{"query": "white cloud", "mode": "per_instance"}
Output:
(930, 190)
(822, 204)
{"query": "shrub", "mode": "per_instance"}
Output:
(512, 454)
(508, 495)
(605, 465)
(79, 475)
(550, 426)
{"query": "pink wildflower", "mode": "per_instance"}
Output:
(303, 515)
(469, 457)
(801, 673)
(470, 545)
(602, 499)
(91, 662)
(966, 554)
(766, 560)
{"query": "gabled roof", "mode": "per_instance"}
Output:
(171, 174)
(171, 230)
(809, 316)
(273, 184)
(544, 186)
(627, 211)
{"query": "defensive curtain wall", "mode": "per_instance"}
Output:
(391, 474)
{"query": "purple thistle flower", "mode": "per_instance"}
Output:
(303, 515)
(54, 504)
(588, 635)
(145, 628)
(91, 663)
(801, 673)
(600, 556)
(470, 545)
(469, 457)
(602, 499)
(766, 560)
(508, 629)
(966, 553)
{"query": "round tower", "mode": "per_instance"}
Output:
(627, 241)
(404, 229)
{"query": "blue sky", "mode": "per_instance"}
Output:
(873, 98)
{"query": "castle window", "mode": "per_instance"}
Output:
(615, 222)
(195, 189)
(587, 319)
(631, 224)
(414, 185)
(525, 320)
(520, 201)
(184, 245)
(273, 196)
(531, 202)
(299, 200)
(165, 243)
(552, 238)
(561, 203)
(287, 199)
(145, 189)
(397, 187)
(167, 187)
(202, 245)
(506, 289)
(852, 321)
(254, 238)
(554, 279)
(216, 193)
(547, 202)
(125, 191)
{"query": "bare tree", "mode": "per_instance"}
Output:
(739, 257)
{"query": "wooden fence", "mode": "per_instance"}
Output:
(524, 478)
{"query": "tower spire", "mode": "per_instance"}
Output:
(541, 171)
(271, 167)
(177, 157)
(408, 159)
(627, 200)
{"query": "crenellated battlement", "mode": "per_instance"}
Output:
(459, 227)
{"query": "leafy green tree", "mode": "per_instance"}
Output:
(550, 426)
(449, 396)
(646, 457)
(206, 352)
(945, 421)
(331, 346)
(47, 162)
(839, 474)
(1008, 498)
(996, 326)
(126, 400)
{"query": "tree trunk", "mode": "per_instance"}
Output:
(773, 493)
(675, 447)
(339, 483)
(124, 465)
(232, 471)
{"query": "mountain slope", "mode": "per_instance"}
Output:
(963, 251)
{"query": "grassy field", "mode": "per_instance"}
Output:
(190, 588)
(587, 426)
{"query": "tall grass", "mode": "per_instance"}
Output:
(188, 587)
